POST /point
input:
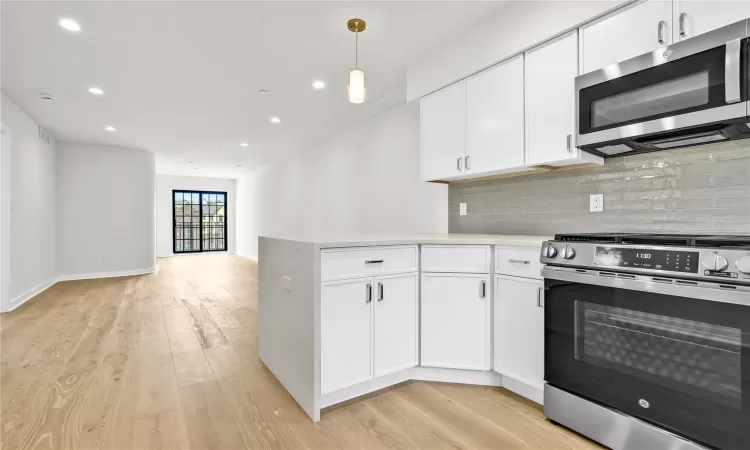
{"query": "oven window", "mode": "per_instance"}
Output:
(672, 95)
(696, 358)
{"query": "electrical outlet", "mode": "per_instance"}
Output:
(286, 283)
(596, 203)
(462, 209)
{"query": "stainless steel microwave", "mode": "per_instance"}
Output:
(689, 93)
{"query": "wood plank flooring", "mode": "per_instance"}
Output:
(169, 361)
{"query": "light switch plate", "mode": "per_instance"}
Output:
(462, 209)
(286, 283)
(596, 203)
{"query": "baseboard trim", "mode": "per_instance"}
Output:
(524, 389)
(31, 293)
(250, 257)
(115, 274)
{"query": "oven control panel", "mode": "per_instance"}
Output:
(640, 258)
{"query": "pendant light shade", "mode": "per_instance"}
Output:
(355, 84)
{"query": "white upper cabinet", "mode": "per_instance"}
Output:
(444, 133)
(693, 17)
(494, 106)
(550, 101)
(632, 32)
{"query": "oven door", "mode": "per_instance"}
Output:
(673, 355)
(694, 83)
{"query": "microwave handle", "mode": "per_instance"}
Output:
(732, 71)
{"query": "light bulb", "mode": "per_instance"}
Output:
(356, 86)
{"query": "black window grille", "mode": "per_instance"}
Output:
(200, 221)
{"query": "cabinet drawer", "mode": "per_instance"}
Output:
(367, 261)
(518, 261)
(456, 258)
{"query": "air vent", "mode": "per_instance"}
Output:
(586, 238)
(607, 274)
(627, 277)
(728, 286)
(662, 280)
(657, 240)
(723, 241)
(686, 283)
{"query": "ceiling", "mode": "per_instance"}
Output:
(182, 77)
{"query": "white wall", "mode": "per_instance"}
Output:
(106, 214)
(518, 26)
(164, 186)
(362, 180)
(30, 231)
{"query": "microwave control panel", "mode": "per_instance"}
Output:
(639, 258)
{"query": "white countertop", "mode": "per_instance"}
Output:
(401, 239)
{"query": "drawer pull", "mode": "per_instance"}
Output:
(368, 293)
(381, 292)
(374, 261)
(483, 289)
(518, 261)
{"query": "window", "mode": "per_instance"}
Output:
(200, 221)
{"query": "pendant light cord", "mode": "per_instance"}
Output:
(356, 48)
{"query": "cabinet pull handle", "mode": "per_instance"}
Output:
(570, 142)
(683, 32)
(381, 292)
(458, 164)
(466, 163)
(518, 261)
(368, 293)
(483, 289)
(374, 261)
(539, 301)
(662, 25)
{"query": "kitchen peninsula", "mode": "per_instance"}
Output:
(339, 318)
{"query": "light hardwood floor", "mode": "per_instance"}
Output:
(169, 360)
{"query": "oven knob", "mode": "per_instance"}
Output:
(715, 262)
(550, 251)
(743, 265)
(568, 252)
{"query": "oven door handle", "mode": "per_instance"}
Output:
(735, 296)
(732, 71)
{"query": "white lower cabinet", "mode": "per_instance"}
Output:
(456, 327)
(519, 330)
(368, 329)
(395, 323)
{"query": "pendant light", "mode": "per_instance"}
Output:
(356, 82)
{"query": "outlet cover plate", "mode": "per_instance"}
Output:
(462, 209)
(596, 203)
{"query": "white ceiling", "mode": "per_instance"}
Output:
(181, 77)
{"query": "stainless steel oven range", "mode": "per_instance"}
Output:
(647, 339)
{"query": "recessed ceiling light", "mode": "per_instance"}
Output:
(243, 144)
(70, 25)
(190, 162)
(319, 84)
(110, 128)
(262, 91)
(96, 91)
(239, 165)
(216, 145)
(275, 119)
(44, 96)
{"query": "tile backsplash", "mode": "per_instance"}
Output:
(702, 189)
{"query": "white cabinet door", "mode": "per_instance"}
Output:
(627, 34)
(550, 101)
(345, 334)
(444, 132)
(455, 321)
(695, 17)
(395, 323)
(519, 330)
(494, 118)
